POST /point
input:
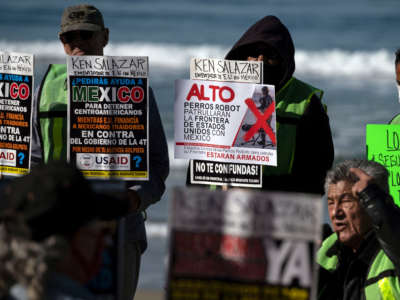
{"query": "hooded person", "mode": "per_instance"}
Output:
(304, 140)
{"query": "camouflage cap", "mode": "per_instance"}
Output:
(57, 199)
(81, 17)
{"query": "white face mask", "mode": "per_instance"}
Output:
(398, 90)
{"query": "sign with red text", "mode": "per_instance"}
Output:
(243, 245)
(227, 122)
(108, 116)
(16, 84)
(212, 171)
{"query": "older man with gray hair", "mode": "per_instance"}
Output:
(361, 259)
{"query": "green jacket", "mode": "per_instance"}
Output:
(379, 282)
(291, 103)
(304, 140)
(52, 112)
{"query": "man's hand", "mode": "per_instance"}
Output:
(362, 183)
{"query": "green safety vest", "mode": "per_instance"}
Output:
(381, 282)
(291, 102)
(52, 112)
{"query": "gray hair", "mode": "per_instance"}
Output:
(26, 262)
(341, 172)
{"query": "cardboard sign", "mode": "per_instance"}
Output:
(16, 89)
(226, 70)
(242, 245)
(383, 146)
(108, 116)
(218, 173)
(227, 122)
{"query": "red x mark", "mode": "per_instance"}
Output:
(261, 121)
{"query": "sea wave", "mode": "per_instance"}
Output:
(346, 64)
(157, 229)
(337, 63)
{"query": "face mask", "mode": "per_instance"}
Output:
(398, 90)
(273, 74)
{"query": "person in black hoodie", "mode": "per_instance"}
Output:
(305, 147)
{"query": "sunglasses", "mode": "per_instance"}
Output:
(72, 36)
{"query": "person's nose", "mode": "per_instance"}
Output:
(338, 213)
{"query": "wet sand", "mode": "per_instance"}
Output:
(149, 295)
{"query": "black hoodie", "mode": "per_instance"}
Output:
(271, 32)
(314, 147)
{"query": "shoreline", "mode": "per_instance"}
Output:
(149, 294)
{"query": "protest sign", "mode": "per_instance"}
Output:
(227, 122)
(243, 245)
(16, 83)
(108, 116)
(218, 173)
(383, 146)
(226, 70)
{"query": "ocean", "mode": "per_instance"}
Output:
(345, 48)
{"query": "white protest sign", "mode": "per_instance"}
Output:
(242, 244)
(228, 122)
(226, 70)
(213, 171)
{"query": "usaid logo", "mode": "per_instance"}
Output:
(8, 157)
(85, 161)
(103, 162)
(112, 162)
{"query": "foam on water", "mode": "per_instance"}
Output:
(156, 229)
(336, 63)
(357, 65)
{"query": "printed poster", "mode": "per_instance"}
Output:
(16, 89)
(108, 116)
(383, 146)
(227, 122)
(243, 245)
(215, 172)
(220, 173)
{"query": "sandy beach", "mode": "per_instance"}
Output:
(149, 295)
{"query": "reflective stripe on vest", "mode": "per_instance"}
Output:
(386, 289)
(52, 112)
(291, 102)
(381, 283)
